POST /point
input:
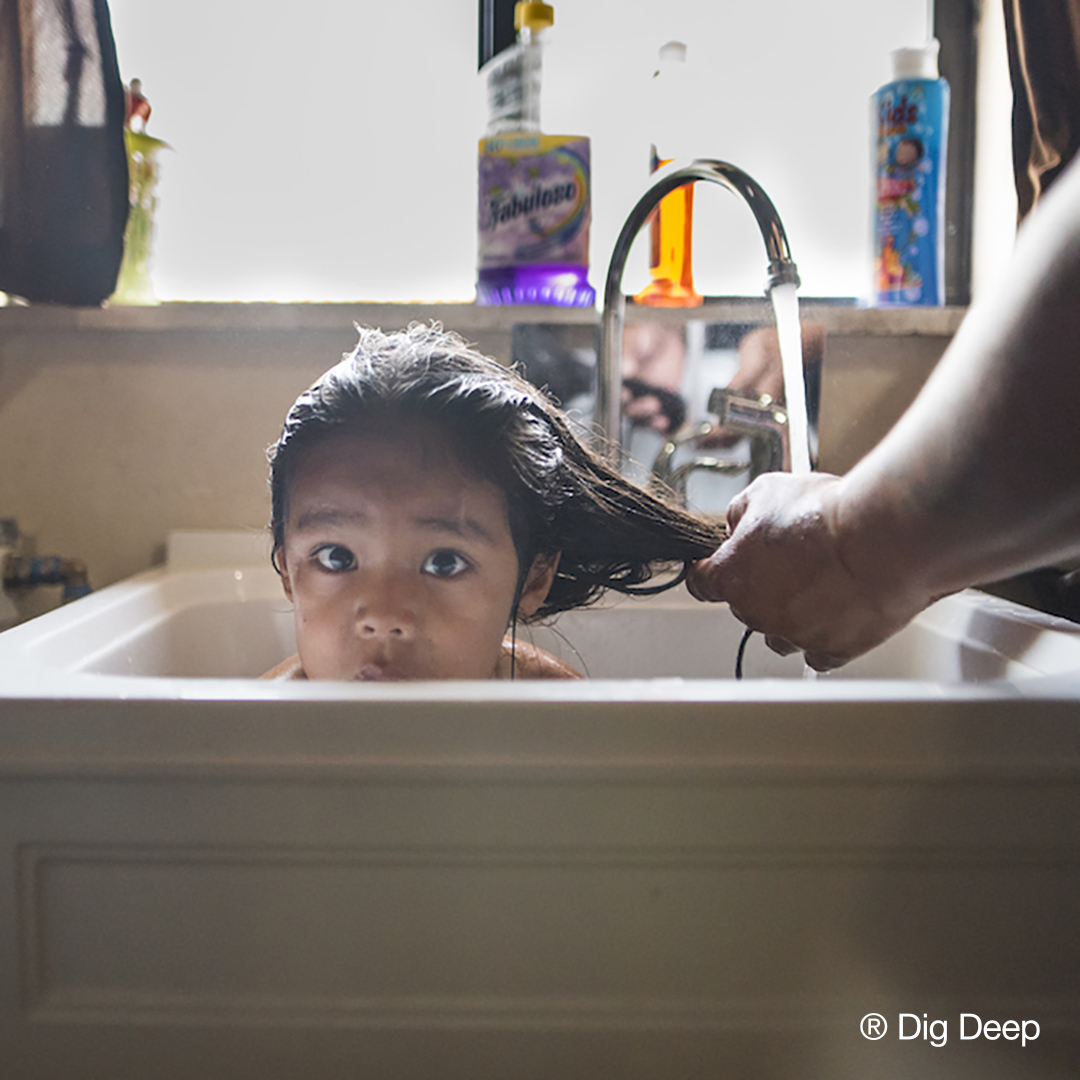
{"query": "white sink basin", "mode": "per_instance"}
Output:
(219, 612)
(658, 871)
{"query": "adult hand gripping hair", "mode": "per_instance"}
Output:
(979, 479)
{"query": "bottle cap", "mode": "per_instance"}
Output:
(920, 63)
(533, 14)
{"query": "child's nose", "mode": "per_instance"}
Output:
(385, 609)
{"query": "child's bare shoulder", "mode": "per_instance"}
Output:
(532, 662)
(290, 668)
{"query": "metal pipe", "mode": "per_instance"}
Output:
(781, 270)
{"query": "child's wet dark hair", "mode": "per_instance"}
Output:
(560, 496)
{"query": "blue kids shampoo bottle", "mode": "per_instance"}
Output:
(911, 124)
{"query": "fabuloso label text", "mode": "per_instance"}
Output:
(533, 200)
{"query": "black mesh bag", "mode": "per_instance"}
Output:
(63, 166)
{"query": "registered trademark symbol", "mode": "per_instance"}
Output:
(873, 1026)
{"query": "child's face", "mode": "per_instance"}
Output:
(398, 563)
(907, 153)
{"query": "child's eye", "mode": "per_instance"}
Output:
(335, 558)
(445, 563)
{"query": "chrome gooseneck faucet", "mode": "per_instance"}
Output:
(781, 271)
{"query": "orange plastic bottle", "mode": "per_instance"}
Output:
(672, 223)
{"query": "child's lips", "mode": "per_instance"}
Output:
(379, 673)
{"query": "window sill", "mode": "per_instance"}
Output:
(839, 319)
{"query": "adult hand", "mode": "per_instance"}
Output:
(786, 571)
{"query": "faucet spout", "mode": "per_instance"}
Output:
(781, 271)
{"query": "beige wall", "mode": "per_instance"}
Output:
(867, 383)
(117, 427)
(108, 441)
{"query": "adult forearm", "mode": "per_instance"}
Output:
(981, 478)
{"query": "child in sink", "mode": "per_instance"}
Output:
(427, 499)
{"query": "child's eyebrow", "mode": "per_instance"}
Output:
(463, 527)
(321, 516)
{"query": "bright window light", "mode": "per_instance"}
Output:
(330, 153)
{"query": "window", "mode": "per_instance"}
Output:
(327, 151)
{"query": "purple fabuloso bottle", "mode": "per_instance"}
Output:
(533, 213)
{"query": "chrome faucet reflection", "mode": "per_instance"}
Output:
(762, 423)
(761, 420)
